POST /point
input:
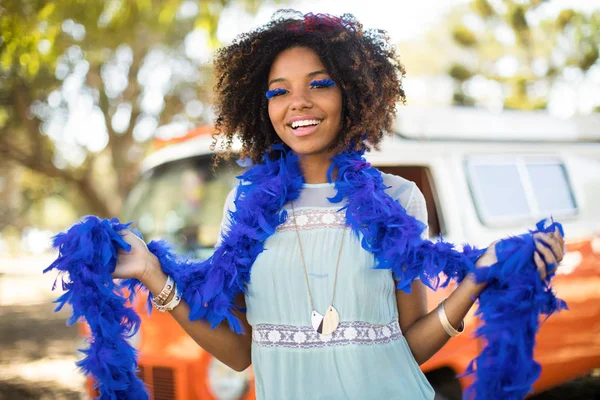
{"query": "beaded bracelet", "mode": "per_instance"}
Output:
(164, 293)
(172, 304)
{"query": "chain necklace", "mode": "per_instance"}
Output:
(324, 325)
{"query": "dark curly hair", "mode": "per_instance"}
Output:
(362, 62)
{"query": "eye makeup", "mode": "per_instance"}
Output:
(321, 83)
(275, 92)
(326, 82)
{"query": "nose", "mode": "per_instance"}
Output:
(300, 100)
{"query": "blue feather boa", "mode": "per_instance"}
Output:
(87, 256)
(510, 305)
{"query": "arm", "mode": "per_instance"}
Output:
(423, 331)
(225, 345)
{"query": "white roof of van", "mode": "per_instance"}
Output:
(468, 123)
(449, 123)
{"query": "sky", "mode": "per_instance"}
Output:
(402, 19)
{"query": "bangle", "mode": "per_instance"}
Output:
(172, 304)
(446, 324)
(164, 293)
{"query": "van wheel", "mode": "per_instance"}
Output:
(445, 384)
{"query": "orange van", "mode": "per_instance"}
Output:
(484, 176)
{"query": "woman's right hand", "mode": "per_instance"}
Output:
(135, 262)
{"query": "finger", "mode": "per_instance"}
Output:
(547, 257)
(562, 241)
(556, 245)
(540, 265)
(554, 251)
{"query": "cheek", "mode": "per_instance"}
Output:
(274, 114)
(336, 104)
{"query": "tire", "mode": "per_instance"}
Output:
(445, 384)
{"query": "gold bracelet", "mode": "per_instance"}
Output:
(172, 304)
(446, 324)
(164, 293)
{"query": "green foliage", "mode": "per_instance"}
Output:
(564, 18)
(483, 8)
(463, 36)
(461, 99)
(460, 72)
(540, 50)
(60, 56)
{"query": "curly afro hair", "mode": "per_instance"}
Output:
(362, 62)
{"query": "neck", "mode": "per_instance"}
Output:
(314, 167)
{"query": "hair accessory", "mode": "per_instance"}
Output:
(323, 23)
(446, 323)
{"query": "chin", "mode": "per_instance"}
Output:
(307, 149)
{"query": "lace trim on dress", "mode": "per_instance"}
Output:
(314, 218)
(305, 337)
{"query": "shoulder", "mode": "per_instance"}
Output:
(402, 190)
(408, 194)
(230, 200)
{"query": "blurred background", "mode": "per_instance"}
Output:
(88, 89)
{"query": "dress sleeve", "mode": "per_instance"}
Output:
(225, 222)
(417, 208)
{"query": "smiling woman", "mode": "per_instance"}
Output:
(323, 260)
(306, 111)
(312, 65)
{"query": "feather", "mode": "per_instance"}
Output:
(510, 305)
(87, 254)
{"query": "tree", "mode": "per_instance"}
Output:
(128, 67)
(517, 44)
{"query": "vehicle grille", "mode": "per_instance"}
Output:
(163, 383)
(160, 381)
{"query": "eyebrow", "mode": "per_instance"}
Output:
(310, 75)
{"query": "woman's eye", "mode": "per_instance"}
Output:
(275, 92)
(322, 83)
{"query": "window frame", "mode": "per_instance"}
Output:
(521, 163)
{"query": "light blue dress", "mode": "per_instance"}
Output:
(367, 357)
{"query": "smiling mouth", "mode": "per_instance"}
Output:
(305, 123)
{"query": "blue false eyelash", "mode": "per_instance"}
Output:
(275, 92)
(326, 82)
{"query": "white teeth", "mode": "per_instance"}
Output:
(305, 122)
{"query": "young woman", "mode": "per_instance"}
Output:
(319, 320)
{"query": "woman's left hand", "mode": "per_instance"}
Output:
(550, 251)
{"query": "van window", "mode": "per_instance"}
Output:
(551, 188)
(182, 202)
(513, 190)
(421, 176)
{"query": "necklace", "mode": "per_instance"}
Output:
(325, 325)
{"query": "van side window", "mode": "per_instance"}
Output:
(421, 176)
(516, 189)
(551, 187)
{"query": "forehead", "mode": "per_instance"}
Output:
(295, 62)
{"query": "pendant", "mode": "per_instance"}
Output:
(325, 325)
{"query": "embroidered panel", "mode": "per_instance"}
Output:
(314, 218)
(305, 337)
